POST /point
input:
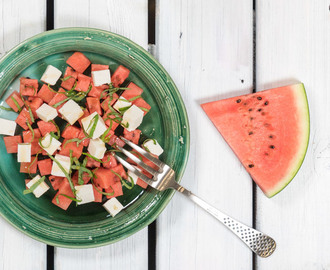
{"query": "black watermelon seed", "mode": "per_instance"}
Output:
(271, 136)
(251, 132)
(251, 165)
(272, 147)
(259, 110)
(259, 98)
(250, 110)
(238, 101)
(266, 103)
(266, 154)
(263, 113)
(251, 118)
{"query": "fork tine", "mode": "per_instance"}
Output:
(134, 170)
(144, 153)
(138, 161)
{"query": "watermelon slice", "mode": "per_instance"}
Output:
(268, 131)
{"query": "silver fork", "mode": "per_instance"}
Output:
(164, 178)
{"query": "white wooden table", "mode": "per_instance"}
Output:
(207, 47)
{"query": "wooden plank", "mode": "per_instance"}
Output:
(20, 20)
(128, 18)
(293, 41)
(207, 47)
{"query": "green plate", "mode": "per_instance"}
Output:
(90, 225)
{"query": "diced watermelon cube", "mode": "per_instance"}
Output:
(109, 161)
(67, 146)
(81, 136)
(105, 178)
(93, 105)
(133, 136)
(115, 140)
(96, 91)
(97, 195)
(46, 127)
(10, 101)
(34, 103)
(11, 143)
(116, 188)
(141, 183)
(119, 76)
(63, 202)
(132, 91)
(57, 98)
(92, 163)
(78, 61)
(107, 117)
(85, 177)
(28, 87)
(70, 132)
(45, 94)
(27, 137)
(83, 83)
(142, 104)
(23, 117)
(69, 82)
(45, 166)
(56, 181)
(29, 167)
(109, 101)
(97, 67)
(120, 170)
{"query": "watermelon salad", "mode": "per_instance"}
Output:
(268, 131)
(67, 130)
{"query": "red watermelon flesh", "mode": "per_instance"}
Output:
(268, 131)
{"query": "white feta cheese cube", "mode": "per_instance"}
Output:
(24, 152)
(153, 147)
(7, 127)
(64, 161)
(51, 75)
(40, 189)
(101, 77)
(71, 111)
(121, 103)
(88, 123)
(132, 118)
(97, 148)
(113, 206)
(50, 144)
(85, 193)
(46, 112)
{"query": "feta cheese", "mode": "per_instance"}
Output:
(46, 112)
(113, 206)
(97, 148)
(24, 152)
(7, 127)
(88, 122)
(85, 193)
(101, 77)
(132, 118)
(153, 147)
(121, 103)
(40, 189)
(64, 161)
(71, 111)
(50, 144)
(51, 75)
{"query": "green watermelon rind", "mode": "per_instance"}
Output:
(281, 185)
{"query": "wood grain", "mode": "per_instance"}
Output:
(207, 47)
(293, 42)
(20, 20)
(130, 19)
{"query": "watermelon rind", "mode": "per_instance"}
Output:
(304, 140)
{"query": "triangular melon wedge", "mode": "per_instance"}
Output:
(268, 131)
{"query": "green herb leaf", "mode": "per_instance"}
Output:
(66, 78)
(34, 186)
(16, 103)
(31, 129)
(123, 182)
(6, 109)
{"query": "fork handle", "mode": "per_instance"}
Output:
(258, 242)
